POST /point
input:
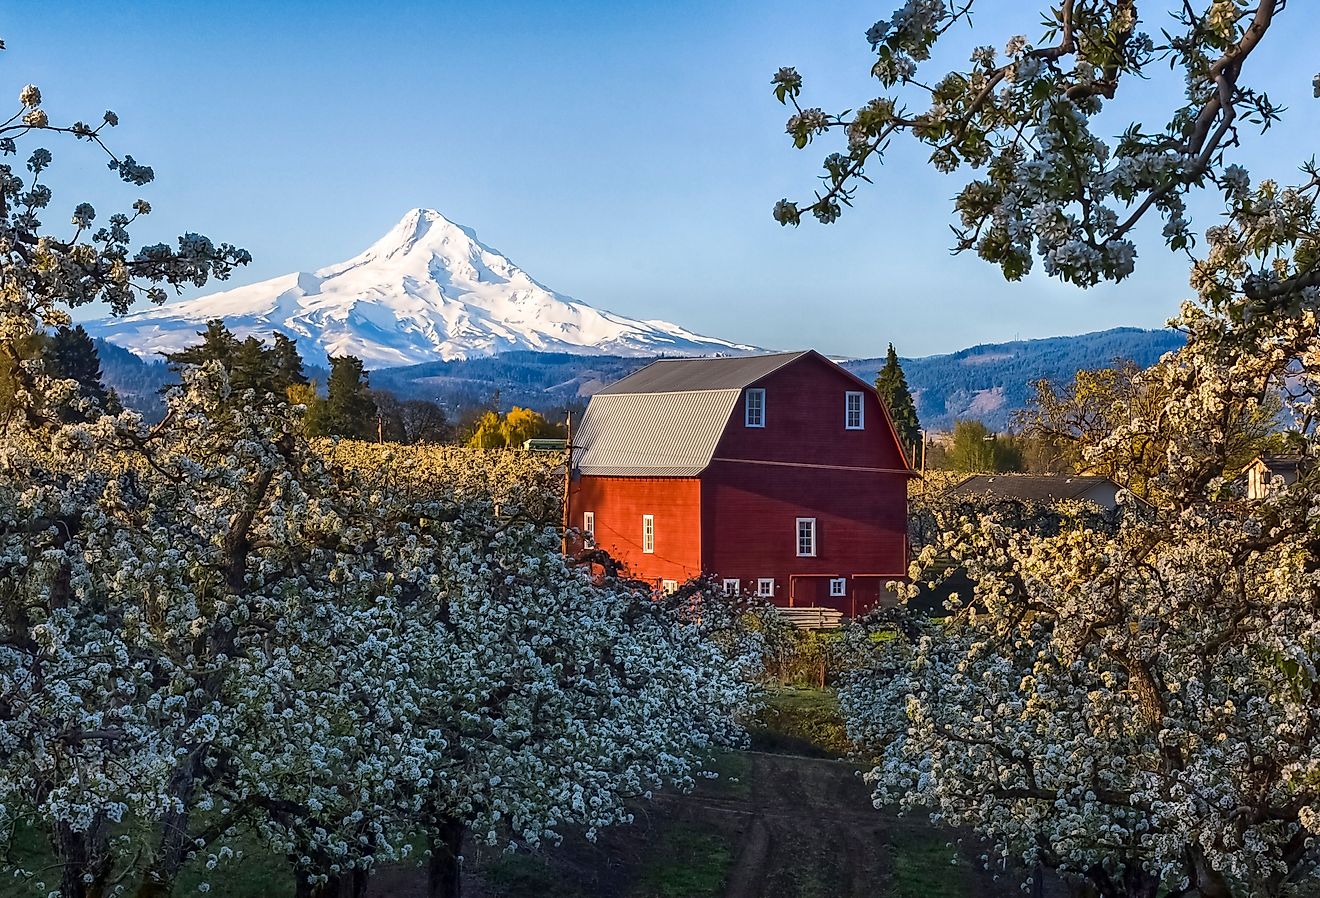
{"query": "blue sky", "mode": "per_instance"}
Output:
(626, 154)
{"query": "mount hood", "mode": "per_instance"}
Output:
(427, 291)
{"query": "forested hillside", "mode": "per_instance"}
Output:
(992, 381)
(989, 382)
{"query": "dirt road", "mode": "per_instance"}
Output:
(774, 825)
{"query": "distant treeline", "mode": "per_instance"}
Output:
(988, 383)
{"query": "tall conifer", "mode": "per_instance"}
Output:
(892, 386)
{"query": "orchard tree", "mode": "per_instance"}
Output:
(1020, 114)
(1137, 707)
(1079, 418)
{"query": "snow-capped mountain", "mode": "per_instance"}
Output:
(426, 291)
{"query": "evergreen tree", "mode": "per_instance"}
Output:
(218, 344)
(287, 363)
(253, 369)
(892, 386)
(251, 365)
(70, 354)
(348, 409)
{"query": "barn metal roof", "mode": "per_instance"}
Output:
(643, 434)
(1032, 487)
(690, 375)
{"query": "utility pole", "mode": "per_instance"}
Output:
(380, 428)
(568, 479)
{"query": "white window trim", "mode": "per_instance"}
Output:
(861, 411)
(589, 526)
(797, 536)
(648, 534)
(747, 408)
(669, 587)
(765, 588)
(732, 587)
(838, 586)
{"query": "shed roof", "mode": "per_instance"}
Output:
(691, 375)
(665, 434)
(1030, 487)
(1279, 465)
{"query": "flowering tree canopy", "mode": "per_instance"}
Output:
(1050, 187)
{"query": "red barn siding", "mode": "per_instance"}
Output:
(620, 502)
(748, 522)
(804, 422)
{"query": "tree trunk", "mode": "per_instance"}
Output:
(445, 842)
(1210, 883)
(357, 883)
(85, 860)
(158, 880)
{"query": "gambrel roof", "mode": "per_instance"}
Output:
(691, 375)
(665, 420)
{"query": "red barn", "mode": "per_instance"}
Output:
(780, 475)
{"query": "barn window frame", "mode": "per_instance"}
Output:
(648, 534)
(859, 409)
(669, 587)
(838, 586)
(589, 527)
(806, 538)
(731, 586)
(754, 412)
(765, 588)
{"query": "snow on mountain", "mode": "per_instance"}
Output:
(426, 291)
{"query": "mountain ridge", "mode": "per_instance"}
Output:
(989, 382)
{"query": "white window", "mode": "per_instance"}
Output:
(765, 587)
(648, 533)
(852, 411)
(806, 537)
(755, 408)
(589, 527)
(732, 587)
(669, 587)
(838, 586)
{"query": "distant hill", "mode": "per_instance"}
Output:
(536, 380)
(989, 382)
(992, 381)
(138, 382)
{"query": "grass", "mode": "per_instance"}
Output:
(925, 867)
(801, 721)
(257, 875)
(686, 862)
(526, 876)
(732, 769)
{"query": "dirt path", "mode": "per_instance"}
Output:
(788, 827)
